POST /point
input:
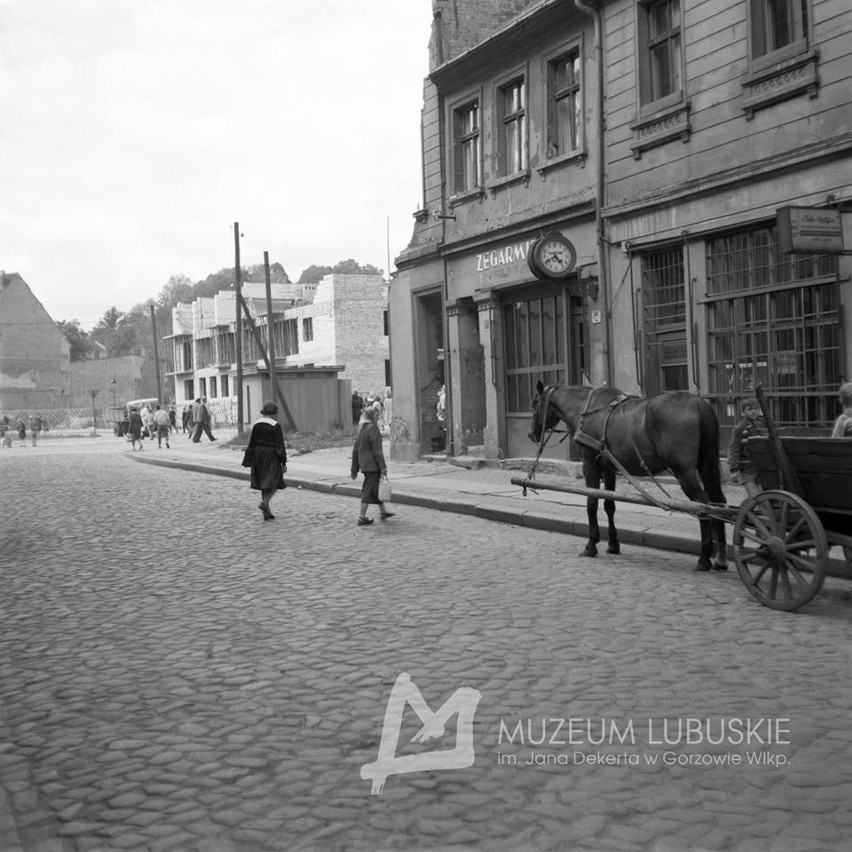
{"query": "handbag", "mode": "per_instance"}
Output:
(385, 490)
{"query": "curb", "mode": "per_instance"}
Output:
(488, 509)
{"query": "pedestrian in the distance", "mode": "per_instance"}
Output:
(357, 407)
(35, 428)
(742, 470)
(135, 428)
(22, 433)
(266, 455)
(202, 420)
(367, 457)
(161, 424)
(172, 418)
(186, 418)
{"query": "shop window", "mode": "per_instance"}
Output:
(535, 348)
(308, 329)
(512, 153)
(664, 321)
(564, 106)
(467, 153)
(660, 55)
(773, 320)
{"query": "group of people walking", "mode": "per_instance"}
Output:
(159, 423)
(35, 425)
(266, 455)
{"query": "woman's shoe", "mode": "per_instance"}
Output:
(385, 515)
(364, 522)
(267, 515)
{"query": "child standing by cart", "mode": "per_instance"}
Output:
(742, 471)
(843, 424)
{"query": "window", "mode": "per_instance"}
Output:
(660, 56)
(202, 387)
(188, 389)
(779, 28)
(773, 320)
(213, 388)
(223, 381)
(291, 337)
(564, 119)
(467, 169)
(512, 154)
(664, 321)
(385, 324)
(186, 355)
(308, 329)
(225, 347)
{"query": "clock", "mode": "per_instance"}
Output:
(551, 257)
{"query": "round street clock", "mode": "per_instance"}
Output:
(551, 257)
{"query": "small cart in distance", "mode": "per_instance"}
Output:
(783, 536)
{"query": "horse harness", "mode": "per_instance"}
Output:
(599, 445)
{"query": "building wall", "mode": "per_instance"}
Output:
(744, 137)
(34, 354)
(134, 375)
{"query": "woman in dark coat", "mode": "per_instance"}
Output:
(134, 428)
(266, 455)
(367, 457)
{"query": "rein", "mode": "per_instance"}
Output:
(599, 445)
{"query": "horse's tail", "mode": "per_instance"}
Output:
(709, 466)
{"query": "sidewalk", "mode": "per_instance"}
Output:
(449, 486)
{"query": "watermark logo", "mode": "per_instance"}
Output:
(463, 701)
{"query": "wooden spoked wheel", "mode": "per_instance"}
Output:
(780, 548)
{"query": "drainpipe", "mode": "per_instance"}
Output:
(600, 189)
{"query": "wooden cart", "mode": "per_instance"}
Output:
(783, 536)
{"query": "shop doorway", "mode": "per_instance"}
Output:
(430, 371)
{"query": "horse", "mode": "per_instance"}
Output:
(676, 431)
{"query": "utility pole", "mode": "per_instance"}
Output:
(270, 337)
(156, 355)
(238, 328)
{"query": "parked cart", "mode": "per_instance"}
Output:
(782, 537)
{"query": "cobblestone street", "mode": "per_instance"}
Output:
(176, 674)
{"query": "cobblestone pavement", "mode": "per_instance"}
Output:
(176, 674)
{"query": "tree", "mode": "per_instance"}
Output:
(314, 274)
(350, 266)
(81, 344)
(178, 289)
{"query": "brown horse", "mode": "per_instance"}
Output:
(675, 431)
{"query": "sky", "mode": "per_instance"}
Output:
(134, 133)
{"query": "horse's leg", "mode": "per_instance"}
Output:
(592, 478)
(692, 488)
(609, 507)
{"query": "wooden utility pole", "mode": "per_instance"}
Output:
(156, 356)
(269, 326)
(238, 328)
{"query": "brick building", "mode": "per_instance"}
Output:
(664, 141)
(341, 323)
(35, 356)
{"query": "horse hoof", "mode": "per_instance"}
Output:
(588, 551)
(702, 566)
(614, 549)
(718, 567)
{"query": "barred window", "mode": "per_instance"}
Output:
(664, 321)
(773, 320)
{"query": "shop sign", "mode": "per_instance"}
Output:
(504, 255)
(809, 230)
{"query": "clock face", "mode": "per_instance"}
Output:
(555, 256)
(552, 257)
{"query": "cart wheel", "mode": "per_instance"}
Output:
(780, 549)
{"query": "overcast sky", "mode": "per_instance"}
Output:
(134, 133)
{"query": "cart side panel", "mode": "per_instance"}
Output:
(823, 465)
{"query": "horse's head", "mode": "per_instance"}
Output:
(541, 421)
